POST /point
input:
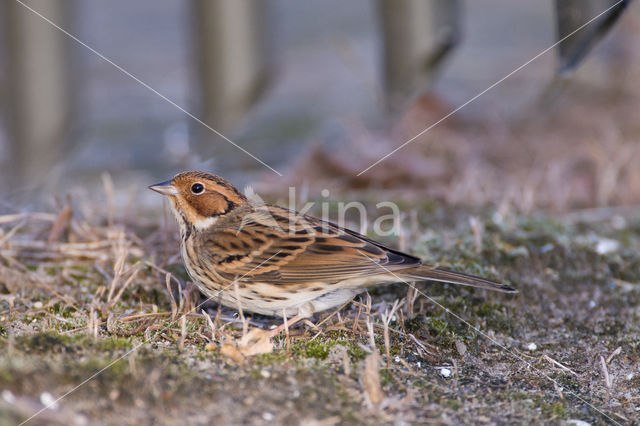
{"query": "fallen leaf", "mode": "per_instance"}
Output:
(255, 342)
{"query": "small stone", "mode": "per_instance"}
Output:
(8, 396)
(37, 305)
(48, 401)
(592, 304)
(532, 347)
(267, 417)
(265, 374)
(396, 359)
(577, 422)
(547, 247)
(446, 373)
(461, 347)
(606, 245)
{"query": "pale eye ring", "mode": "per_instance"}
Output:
(197, 188)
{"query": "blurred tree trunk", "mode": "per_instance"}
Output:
(38, 85)
(417, 35)
(230, 37)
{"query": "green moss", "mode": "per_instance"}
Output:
(52, 272)
(53, 342)
(517, 396)
(317, 349)
(354, 350)
(62, 309)
(8, 376)
(275, 357)
(556, 410)
(414, 324)
(48, 342)
(437, 326)
(178, 270)
(568, 382)
(114, 343)
(453, 404)
(495, 316)
(114, 373)
(395, 350)
(385, 377)
(541, 224)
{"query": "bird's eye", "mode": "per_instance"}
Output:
(197, 188)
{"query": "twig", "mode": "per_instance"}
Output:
(605, 372)
(553, 361)
(210, 323)
(286, 329)
(245, 325)
(174, 306)
(12, 232)
(125, 285)
(386, 319)
(183, 331)
(109, 192)
(45, 217)
(61, 223)
(614, 353)
(120, 253)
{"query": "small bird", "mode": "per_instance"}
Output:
(274, 261)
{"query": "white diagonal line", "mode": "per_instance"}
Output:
(93, 376)
(490, 87)
(147, 86)
(504, 348)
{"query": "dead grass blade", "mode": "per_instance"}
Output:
(370, 378)
(62, 222)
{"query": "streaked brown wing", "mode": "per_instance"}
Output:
(304, 250)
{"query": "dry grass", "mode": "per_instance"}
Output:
(80, 292)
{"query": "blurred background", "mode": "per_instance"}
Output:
(319, 91)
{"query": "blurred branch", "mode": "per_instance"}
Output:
(570, 15)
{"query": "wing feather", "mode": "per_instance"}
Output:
(299, 250)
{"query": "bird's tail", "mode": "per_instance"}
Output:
(429, 273)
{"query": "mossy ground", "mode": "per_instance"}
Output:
(536, 357)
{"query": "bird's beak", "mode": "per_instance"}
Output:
(165, 188)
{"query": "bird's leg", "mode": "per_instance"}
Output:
(285, 325)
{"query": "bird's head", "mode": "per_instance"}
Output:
(199, 198)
